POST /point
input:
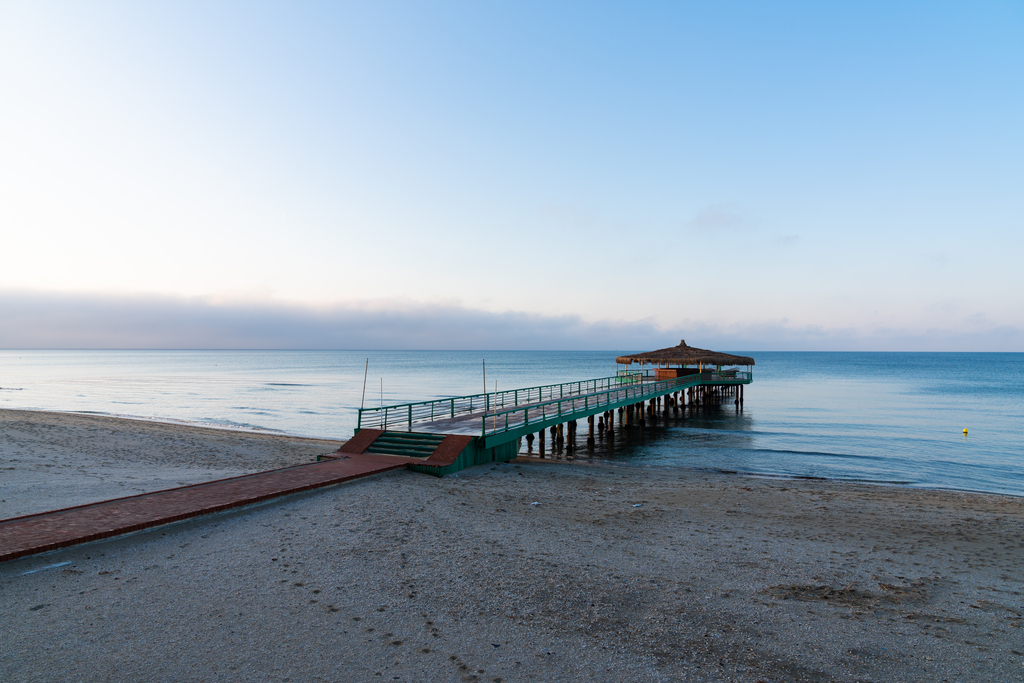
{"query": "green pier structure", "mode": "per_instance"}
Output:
(491, 426)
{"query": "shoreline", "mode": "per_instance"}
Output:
(754, 475)
(91, 475)
(168, 421)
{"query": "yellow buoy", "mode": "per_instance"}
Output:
(965, 430)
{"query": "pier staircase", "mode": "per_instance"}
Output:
(437, 454)
(408, 444)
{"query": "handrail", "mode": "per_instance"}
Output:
(405, 414)
(634, 393)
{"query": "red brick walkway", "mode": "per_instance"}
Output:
(21, 536)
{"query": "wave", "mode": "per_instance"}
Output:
(852, 456)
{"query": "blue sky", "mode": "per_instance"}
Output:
(746, 175)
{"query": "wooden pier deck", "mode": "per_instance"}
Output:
(506, 416)
(32, 534)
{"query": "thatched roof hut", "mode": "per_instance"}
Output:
(684, 355)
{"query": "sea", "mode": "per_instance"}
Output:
(884, 418)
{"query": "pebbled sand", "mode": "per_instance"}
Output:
(55, 460)
(411, 578)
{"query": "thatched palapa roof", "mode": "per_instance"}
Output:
(684, 355)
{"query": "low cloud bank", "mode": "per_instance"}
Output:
(67, 321)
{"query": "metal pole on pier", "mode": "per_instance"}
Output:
(365, 370)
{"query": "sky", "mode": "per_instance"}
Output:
(744, 175)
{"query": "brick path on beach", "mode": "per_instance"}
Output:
(31, 534)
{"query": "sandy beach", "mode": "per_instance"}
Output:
(522, 571)
(54, 460)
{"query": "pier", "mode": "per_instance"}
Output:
(677, 378)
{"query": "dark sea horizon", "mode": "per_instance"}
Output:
(883, 418)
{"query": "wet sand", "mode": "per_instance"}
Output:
(618, 573)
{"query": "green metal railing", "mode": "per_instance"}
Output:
(526, 419)
(407, 414)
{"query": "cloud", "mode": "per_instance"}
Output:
(91, 321)
(718, 217)
(44, 320)
(785, 241)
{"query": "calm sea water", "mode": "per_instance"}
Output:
(894, 418)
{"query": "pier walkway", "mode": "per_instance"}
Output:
(41, 532)
(505, 416)
(31, 534)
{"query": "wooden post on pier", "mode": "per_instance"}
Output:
(540, 443)
(590, 433)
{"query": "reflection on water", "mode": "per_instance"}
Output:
(663, 436)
